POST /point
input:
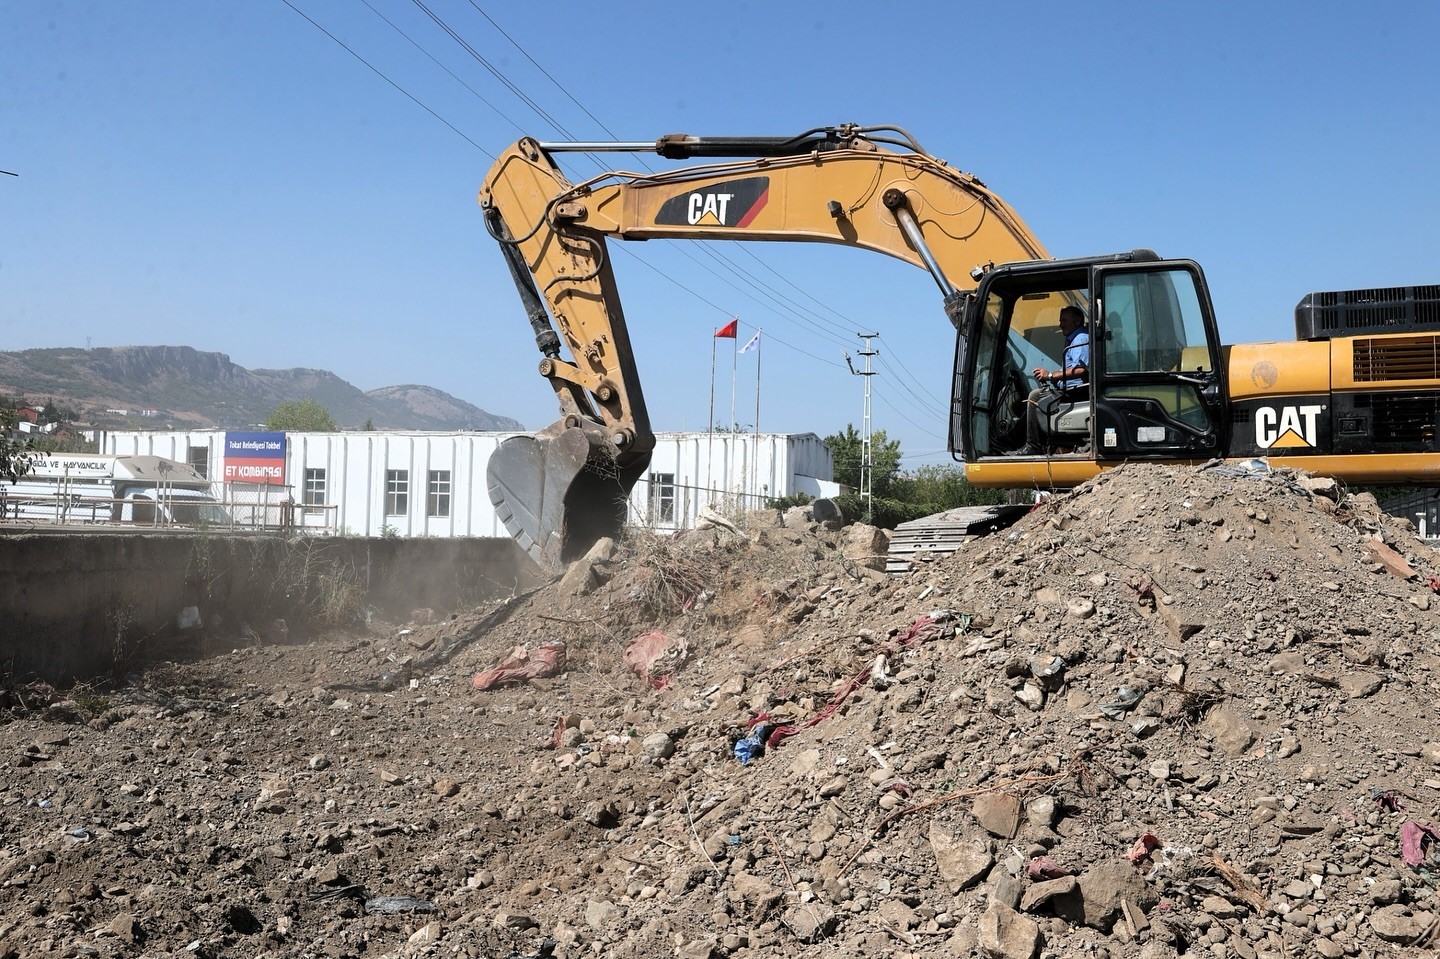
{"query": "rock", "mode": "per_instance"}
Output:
(446, 788)
(759, 894)
(998, 814)
(602, 914)
(658, 746)
(1061, 894)
(701, 948)
(591, 570)
(1218, 906)
(1385, 891)
(810, 921)
(127, 927)
(516, 921)
(865, 545)
(426, 934)
(962, 862)
(1103, 887)
(1005, 934)
(1230, 729)
(797, 517)
(1359, 685)
(1399, 923)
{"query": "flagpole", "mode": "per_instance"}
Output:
(755, 456)
(710, 425)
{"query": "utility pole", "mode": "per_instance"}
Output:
(867, 461)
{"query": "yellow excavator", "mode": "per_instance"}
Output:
(1356, 396)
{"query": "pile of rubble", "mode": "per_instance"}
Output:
(1175, 712)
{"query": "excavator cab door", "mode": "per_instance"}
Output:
(1157, 376)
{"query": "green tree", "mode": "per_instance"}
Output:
(942, 486)
(301, 416)
(846, 451)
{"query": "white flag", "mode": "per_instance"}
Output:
(753, 343)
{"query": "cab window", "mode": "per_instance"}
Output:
(1153, 323)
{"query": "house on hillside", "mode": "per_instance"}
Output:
(433, 483)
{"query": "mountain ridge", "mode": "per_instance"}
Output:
(186, 387)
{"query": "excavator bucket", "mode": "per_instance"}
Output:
(558, 492)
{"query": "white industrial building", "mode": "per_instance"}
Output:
(433, 483)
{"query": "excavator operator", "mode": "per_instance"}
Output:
(1058, 388)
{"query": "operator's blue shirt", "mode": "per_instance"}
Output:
(1077, 353)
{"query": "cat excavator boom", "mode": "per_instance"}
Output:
(868, 187)
(1356, 396)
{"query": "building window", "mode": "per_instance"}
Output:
(314, 492)
(397, 492)
(199, 460)
(662, 497)
(437, 503)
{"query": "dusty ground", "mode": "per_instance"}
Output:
(1175, 712)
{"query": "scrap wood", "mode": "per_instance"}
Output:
(1239, 883)
(1019, 783)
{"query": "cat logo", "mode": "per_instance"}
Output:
(735, 203)
(1289, 427)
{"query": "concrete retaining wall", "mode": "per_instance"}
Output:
(74, 606)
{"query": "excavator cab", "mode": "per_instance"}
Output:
(1156, 387)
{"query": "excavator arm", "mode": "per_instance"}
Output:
(868, 187)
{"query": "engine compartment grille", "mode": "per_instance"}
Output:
(1397, 358)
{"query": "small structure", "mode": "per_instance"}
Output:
(384, 483)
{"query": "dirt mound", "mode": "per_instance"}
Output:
(1174, 712)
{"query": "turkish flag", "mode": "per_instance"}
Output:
(729, 329)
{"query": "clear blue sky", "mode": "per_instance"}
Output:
(225, 176)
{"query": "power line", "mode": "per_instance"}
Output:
(497, 74)
(436, 61)
(382, 76)
(526, 54)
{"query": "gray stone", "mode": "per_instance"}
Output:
(962, 862)
(1005, 934)
(1005, 888)
(998, 814)
(658, 746)
(1061, 896)
(1385, 891)
(1230, 729)
(1399, 923)
(1359, 685)
(810, 921)
(1103, 887)
(865, 545)
(1218, 906)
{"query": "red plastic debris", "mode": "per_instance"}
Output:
(1144, 846)
(1414, 837)
(1043, 867)
(653, 656)
(1389, 799)
(1434, 583)
(522, 665)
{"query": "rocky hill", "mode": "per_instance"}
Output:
(192, 388)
